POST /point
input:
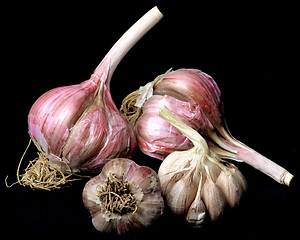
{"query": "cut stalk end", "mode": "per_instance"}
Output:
(155, 11)
(241, 152)
(287, 178)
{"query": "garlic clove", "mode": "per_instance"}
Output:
(178, 178)
(175, 166)
(213, 199)
(86, 138)
(149, 208)
(230, 188)
(196, 213)
(101, 222)
(90, 197)
(145, 178)
(232, 184)
(118, 168)
(180, 195)
(236, 173)
(54, 113)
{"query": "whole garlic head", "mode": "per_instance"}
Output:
(124, 196)
(197, 181)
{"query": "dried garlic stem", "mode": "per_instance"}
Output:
(129, 38)
(246, 154)
(265, 165)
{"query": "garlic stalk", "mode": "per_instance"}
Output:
(197, 181)
(78, 127)
(194, 97)
(123, 197)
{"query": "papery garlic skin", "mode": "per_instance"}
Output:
(156, 137)
(193, 86)
(53, 114)
(144, 185)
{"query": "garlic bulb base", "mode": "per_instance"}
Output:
(117, 197)
(42, 174)
(123, 197)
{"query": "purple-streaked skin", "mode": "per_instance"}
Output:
(79, 127)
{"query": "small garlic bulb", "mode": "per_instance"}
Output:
(124, 196)
(197, 181)
(189, 93)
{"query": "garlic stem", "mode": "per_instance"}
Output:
(198, 141)
(128, 40)
(264, 165)
(218, 141)
(246, 154)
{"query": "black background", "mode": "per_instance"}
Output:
(250, 49)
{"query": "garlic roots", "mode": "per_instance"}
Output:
(123, 197)
(197, 181)
(78, 127)
(194, 97)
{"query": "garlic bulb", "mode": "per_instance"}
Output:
(197, 181)
(123, 197)
(194, 98)
(156, 137)
(78, 127)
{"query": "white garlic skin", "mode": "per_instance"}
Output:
(222, 185)
(143, 183)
